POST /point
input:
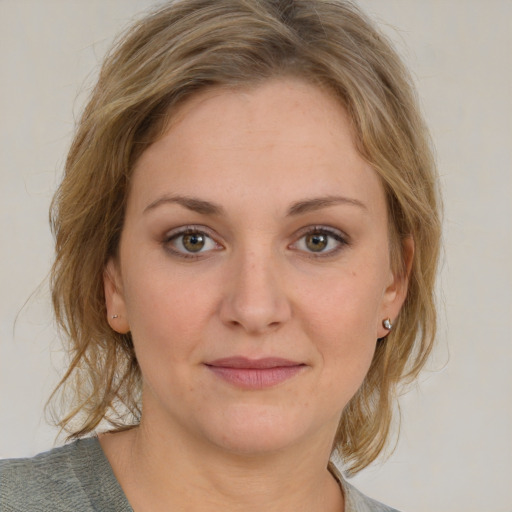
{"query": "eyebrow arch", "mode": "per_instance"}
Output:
(191, 203)
(317, 203)
(208, 208)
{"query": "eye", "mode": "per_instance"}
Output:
(321, 241)
(190, 242)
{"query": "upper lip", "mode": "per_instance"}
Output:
(244, 362)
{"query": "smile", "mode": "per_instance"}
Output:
(255, 373)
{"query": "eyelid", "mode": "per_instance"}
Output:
(189, 229)
(341, 238)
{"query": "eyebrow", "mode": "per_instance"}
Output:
(191, 203)
(317, 203)
(208, 208)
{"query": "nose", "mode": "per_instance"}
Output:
(254, 297)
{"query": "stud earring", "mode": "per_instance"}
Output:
(114, 317)
(387, 324)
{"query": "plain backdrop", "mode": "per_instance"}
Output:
(455, 448)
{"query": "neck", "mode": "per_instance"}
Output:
(162, 472)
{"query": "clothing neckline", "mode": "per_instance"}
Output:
(102, 472)
(99, 471)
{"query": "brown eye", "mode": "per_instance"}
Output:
(321, 242)
(193, 242)
(316, 242)
(190, 243)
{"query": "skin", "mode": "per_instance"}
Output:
(277, 161)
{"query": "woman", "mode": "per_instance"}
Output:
(247, 237)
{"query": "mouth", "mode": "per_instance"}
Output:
(254, 373)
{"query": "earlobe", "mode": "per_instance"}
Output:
(114, 299)
(396, 292)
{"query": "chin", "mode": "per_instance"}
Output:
(257, 431)
(247, 442)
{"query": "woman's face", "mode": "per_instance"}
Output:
(254, 270)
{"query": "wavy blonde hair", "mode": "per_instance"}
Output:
(170, 55)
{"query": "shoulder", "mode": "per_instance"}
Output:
(72, 477)
(356, 501)
(41, 482)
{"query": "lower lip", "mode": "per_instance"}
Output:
(256, 378)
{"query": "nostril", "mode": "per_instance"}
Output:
(254, 302)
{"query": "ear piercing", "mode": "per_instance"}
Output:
(387, 324)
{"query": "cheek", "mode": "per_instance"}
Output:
(342, 324)
(347, 304)
(167, 313)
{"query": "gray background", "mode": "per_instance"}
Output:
(455, 449)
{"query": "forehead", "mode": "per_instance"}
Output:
(284, 137)
(262, 110)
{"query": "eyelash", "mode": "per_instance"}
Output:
(338, 236)
(175, 235)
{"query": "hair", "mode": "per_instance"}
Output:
(173, 53)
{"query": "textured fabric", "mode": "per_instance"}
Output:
(74, 478)
(356, 501)
(78, 478)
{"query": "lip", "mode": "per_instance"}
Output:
(254, 374)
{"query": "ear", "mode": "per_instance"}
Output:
(114, 298)
(396, 290)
